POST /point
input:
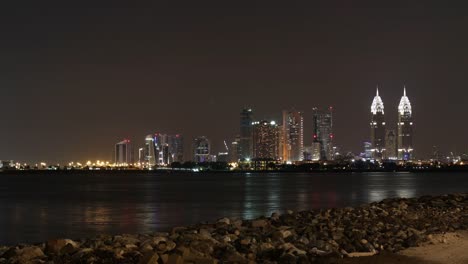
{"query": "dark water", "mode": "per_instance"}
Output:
(37, 207)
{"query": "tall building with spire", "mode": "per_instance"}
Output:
(377, 125)
(405, 128)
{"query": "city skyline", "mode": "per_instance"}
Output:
(101, 74)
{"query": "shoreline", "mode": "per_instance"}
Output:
(173, 171)
(328, 236)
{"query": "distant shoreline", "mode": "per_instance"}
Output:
(172, 171)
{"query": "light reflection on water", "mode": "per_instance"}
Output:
(38, 207)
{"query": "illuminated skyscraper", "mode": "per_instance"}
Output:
(322, 144)
(124, 153)
(234, 150)
(150, 150)
(405, 128)
(201, 149)
(265, 140)
(292, 136)
(377, 125)
(141, 155)
(245, 144)
(168, 148)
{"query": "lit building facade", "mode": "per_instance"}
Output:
(245, 142)
(163, 149)
(201, 150)
(234, 150)
(124, 153)
(405, 128)
(322, 144)
(378, 129)
(265, 138)
(292, 136)
(150, 150)
(390, 145)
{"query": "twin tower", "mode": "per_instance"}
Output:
(386, 144)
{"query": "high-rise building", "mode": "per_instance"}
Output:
(124, 153)
(201, 149)
(168, 148)
(176, 148)
(367, 150)
(292, 136)
(323, 134)
(315, 149)
(141, 155)
(234, 150)
(265, 140)
(405, 128)
(308, 150)
(377, 125)
(150, 150)
(390, 145)
(245, 144)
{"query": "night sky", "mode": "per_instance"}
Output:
(75, 78)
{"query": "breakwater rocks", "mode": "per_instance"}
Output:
(293, 237)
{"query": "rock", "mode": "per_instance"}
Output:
(126, 239)
(259, 223)
(175, 259)
(282, 234)
(150, 258)
(318, 252)
(205, 234)
(146, 248)
(224, 220)
(55, 246)
(131, 246)
(291, 249)
(26, 254)
(81, 253)
(266, 246)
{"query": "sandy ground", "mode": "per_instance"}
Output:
(450, 248)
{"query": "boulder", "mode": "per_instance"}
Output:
(55, 246)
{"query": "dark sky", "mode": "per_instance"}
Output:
(75, 78)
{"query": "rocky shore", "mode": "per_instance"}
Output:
(318, 236)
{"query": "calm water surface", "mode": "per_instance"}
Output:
(37, 207)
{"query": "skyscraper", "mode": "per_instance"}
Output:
(292, 136)
(201, 149)
(390, 144)
(323, 134)
(124, 153)
(245, 144)
(150, 150)
(234, 150)
(168, 148)
(405, 128)
(141, 155)
(176, 148)
(265, 140)
(377, 125)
